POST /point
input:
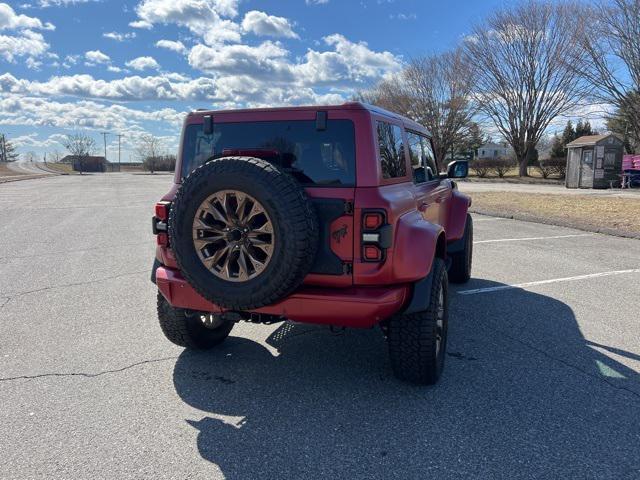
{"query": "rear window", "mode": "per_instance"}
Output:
(313, 157)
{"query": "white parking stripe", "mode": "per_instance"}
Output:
(489, 219)
(544, 282)
(534, 238)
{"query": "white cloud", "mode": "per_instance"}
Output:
(262, 24)
(176, 46)
(96, 57)
(268, 58)
(348, 63)
(24, 44)
(141, 24)
(32, 111)
(143, 63)
(162, 87)
(10, 20)
(316, 2)
(119, 37)
(202, 17)
(61, 3)
(21, 40)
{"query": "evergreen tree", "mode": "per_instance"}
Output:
(569, 134)
(7, 150)
(558, 147)
(473, 139)
(583, 128)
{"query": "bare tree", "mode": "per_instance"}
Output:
(80, 146)
(435, 91)
(612, 44)
(55, 155)
(148, 150)
(521, 67)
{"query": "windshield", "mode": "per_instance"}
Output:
(313, 157)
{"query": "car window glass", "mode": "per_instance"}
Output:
(418, 158)
(391, 147)
(430, 159)
(312, 156)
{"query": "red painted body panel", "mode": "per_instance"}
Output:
(419, 215)
(347, 307)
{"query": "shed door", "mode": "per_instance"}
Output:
(586, 169)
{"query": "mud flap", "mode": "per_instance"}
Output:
(421, 295)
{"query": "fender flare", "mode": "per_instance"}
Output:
(415, 245)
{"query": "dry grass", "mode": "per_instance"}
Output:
(61, 167)
(5, 171)
(132, 168)
(589, 212)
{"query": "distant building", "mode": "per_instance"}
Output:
(493, 150)
(91, 163)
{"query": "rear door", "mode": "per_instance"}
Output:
(431, 192)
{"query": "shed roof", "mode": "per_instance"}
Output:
(589, 140)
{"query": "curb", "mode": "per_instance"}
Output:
(557, 223)
(26, 177)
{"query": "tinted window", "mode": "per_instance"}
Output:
(391, 150)
(430, 156)
(313, 157)
(423, 163)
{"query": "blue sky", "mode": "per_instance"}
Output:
(137, 66)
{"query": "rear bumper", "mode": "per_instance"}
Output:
(357, 307)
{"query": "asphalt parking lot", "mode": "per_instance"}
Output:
(542, 376)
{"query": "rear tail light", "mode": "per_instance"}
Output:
(162, 211)
(372, 220)
(376, 235)
(372, 253)
(162, 239)
(159, 223)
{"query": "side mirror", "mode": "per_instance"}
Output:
(458, 169)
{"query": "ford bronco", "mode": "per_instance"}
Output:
(336, 215)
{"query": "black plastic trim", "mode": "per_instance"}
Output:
(327, 262)
(156, 265)
(421, 295)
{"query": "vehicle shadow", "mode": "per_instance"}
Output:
(524, 394)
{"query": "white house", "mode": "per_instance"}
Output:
(493, 150)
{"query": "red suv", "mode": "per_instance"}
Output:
(336, 215)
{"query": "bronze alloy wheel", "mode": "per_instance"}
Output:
(233, 235)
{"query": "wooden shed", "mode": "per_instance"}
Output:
(594, 161)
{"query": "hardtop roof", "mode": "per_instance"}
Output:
(407, 122)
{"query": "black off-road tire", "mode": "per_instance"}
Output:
(415, 354)
(294, 221)
(461, 262)
(186, 329)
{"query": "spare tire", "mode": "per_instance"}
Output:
(243, 232)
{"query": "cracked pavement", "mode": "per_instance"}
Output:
(540, 382)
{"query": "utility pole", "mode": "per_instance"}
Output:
(119, 137)
(104, 136)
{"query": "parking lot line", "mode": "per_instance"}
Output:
(474, 291)
(488, 219)
(534, 238)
